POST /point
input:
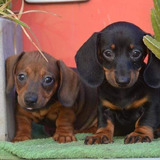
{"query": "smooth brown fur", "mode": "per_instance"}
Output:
(49, 93)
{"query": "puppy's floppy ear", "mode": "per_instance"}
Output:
(69, 85)
(87, 62)
(151, 73)
(10, 67)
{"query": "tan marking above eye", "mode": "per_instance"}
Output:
(113, 46)
(131, 46)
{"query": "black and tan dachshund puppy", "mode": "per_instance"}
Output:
(113, 61)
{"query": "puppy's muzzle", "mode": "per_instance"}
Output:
(30, 99)
(122, 81)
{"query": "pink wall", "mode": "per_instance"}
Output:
(62, 37)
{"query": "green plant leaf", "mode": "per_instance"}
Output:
(157, 5)
(20, 22)
(4, 4)
(6, 12)
(155, 23)
(152, 44)
(14, 19)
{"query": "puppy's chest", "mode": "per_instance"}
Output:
(46, 115)
(120, 101)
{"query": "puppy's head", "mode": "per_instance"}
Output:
(121, 53)
(37, 81)
(117, 54)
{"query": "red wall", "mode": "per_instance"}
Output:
(62, 36)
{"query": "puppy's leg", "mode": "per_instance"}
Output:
(23, 127)
(140, 134)
(104, 134)
(64, 126)
(144, 127)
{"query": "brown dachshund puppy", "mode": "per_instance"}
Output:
(49, 93)
(128, 89)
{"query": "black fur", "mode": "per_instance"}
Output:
(113, 61)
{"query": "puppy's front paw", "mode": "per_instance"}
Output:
(137, 138)
(64, 137)
(98, 139)
(21, 138)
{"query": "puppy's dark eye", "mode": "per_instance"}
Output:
(109, 55)
(21, 77)
(135, 54)
(48, 81)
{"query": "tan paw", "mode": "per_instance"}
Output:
(137, 138)
(21, 138)
(64, 138)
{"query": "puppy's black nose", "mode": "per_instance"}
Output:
(30, 99)
(123, 81)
